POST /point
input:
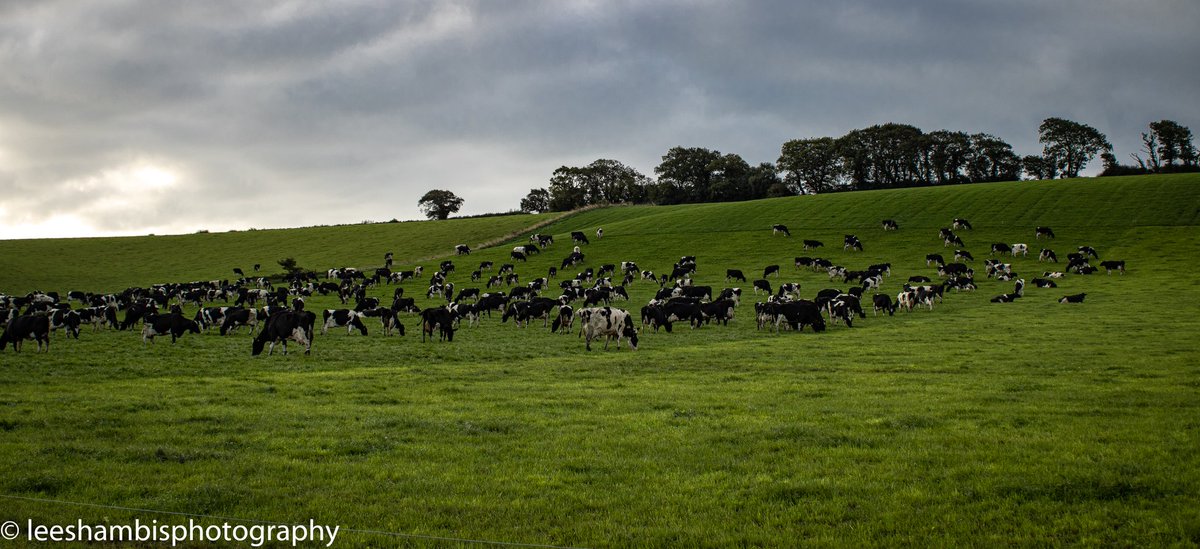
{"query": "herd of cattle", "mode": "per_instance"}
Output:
(275, 313)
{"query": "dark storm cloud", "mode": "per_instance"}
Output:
(132, 117)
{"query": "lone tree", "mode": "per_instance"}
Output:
(439, 204)
(1069, 146)
(537, 201)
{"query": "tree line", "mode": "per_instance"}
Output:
(882, 156)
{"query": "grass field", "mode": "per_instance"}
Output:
(1029, 423)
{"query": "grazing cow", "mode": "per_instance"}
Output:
(851, 242)
(387, 318)
(1039, 232)
(1017, 293)
(173, 323)
(960, 223)
(439, 318)
(1077, 298)
(1022, 249)
(1109, 267)
(954, 269)
(283, 325)
(20, 328)
(732, 294)
(963, 255)
(462, 249)
(578, 237)
(66, 319)
(776, 229)
(238, 316)
(564, 321)
(336, 318)
(952, 240)
(762, 285)
(524, 311)
(1044, 283)
(890, 225)
(734, 274)
(1047, 255)
(238, 271)
(1001, 248)
(609, 323)
(599, 233)
(465, 293)
(720, 311)
(844, 307)
(883, 302)
(813, 244)
(934, 258)
(1088, 250)
(771, 269)
(789, 288)
(516, 256)
(798, 314)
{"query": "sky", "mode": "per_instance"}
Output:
(125, 117)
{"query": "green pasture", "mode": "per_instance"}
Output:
(1030, 423)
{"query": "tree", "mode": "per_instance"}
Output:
(289, 265)
(1037, 167)
(537, 201)
(602, 181)
(689, 171)
(1174, 144)
(1070, 145)
(439, 204)
(730, 179)
(812, 165)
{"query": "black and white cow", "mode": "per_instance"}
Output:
(1047, 255)
(963, 255)
(437, 318)
(609, 323)
(66, 319)
(720, 311)
(1088, 250)
(931, 259)
(1018, 292)
(952, 240)
(960, 223)
(883, 302)
(1109, 266)
(771, 270)
(284, 325)
(462, 249)
(387, 318)
(565, 320)
(777, 228)
(851, 242)
(20, 328)
(1077, 298)
(172, 323)
(734, 274)
(1001, 248)
(762, 285)
(1039, 232)
(578, 237)
(516, 256)
(813, 244)
(1043, 283)
(1022, 249)
(337, 318)
(798, 314)
(890, 225)
(237, 316)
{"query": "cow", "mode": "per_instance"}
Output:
(844, 307)
(720, 311)
(733, 294)
(918, 279)
(883, 303)
(1018, 291)
(578, 237)
(609, 323)
(387, 319)
(1088, 250)
(1077, 298)
(523, 311)
(963, 255)
(462, 249)
(439, 318)
(1001, 248)
(851, 242)
(813, 244)
(1039, 232)
(66, 319)
(336, 318)
(30, 326)
(952, 240)
(934, 258)
(564, 321)
(734, 274)
(762, 285)
(1047, 255)
(789, 288)
(776, 229)
(172, 323)
(1109, 267)
(798, 314)
(1044, 283)
(960, 223)
(1054, 274)
(238, 316)
(283, 325)
(599, 233)
(1022, 249)
(890, 224)
(771, 269)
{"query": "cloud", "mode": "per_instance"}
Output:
(298, 113)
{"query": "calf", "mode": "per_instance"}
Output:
(20, 328)
(283, 325)
(776, 229)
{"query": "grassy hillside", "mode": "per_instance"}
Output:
(1029, 423)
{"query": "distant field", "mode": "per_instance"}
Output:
(1030, 423)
